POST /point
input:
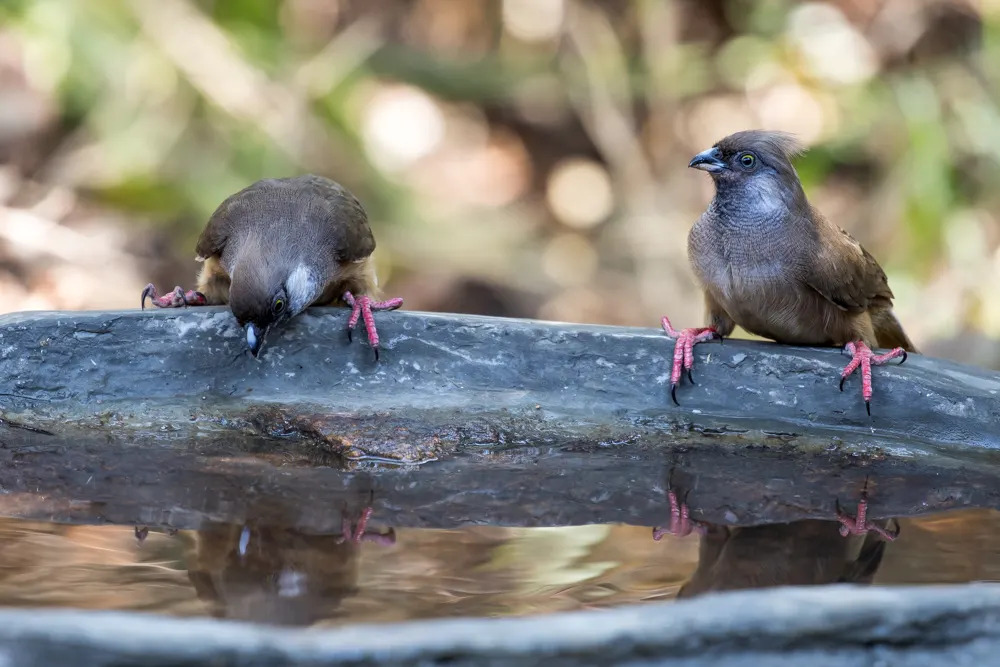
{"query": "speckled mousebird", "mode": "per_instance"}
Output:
(801, 553)
(789, 554)
(771, 263)
(279, 246)
(268, 570)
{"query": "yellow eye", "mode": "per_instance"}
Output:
(748, 160)
(279, 305)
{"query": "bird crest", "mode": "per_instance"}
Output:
(782, 146)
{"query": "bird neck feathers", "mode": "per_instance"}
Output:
(759, 201)
(303, 286)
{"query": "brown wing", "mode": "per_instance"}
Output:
(231, 212)
(350, 236)
(845, 273)
(346, 232)
(213, 238)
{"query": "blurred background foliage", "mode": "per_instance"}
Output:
(517, 157)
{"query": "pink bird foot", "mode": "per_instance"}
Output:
(174, 299)
(863, 356)
(685, 340)
(356, 533)
(681, 523)
(859, 524)
(362, 307)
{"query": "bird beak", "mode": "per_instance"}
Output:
(255, 338)
(710, 161)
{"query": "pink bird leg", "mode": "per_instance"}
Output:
(859, 524)
(357, 532)
(362, 307)
(175, 299)
(863, 356)
(685, 340)
(681, 523)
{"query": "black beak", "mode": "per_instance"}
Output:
(255, 338)
(710, 161)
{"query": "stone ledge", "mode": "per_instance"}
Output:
(835, 625)
(448, 380)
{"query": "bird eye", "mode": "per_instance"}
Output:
(748, 160)
(279, 305)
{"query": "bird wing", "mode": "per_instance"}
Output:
(845, 273)
(213, 238)
(348, 231)
(310, 199)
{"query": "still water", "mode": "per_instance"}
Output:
(284, 576)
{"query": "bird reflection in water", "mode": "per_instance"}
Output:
(280, 575)
(809, 552)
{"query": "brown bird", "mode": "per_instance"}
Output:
(798, 553)
(273, 573)
(772, 264)
(280, 246)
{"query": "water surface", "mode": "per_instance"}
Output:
(281, 575)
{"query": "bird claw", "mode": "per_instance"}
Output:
(358, 532)
(175, 299)
(361, 308)
(681, 523)
(859, 523)
(685, 340)
(863, 357)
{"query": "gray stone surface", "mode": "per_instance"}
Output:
(449, 380)
(838, 625)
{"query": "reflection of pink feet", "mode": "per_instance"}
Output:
(174, 299)
(362, 307)
(685, 340)
(681, 524)
(863, 356)
(356, 533)
(859, 525)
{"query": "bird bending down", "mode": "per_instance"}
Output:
(280, 246)
(772, 264)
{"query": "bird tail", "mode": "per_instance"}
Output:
(889, 331)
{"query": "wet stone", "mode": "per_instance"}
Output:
(442, 376)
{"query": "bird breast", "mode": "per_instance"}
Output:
(754, 277)
(746, 264)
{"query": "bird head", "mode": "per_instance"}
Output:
(755, 165)
(265, 294)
